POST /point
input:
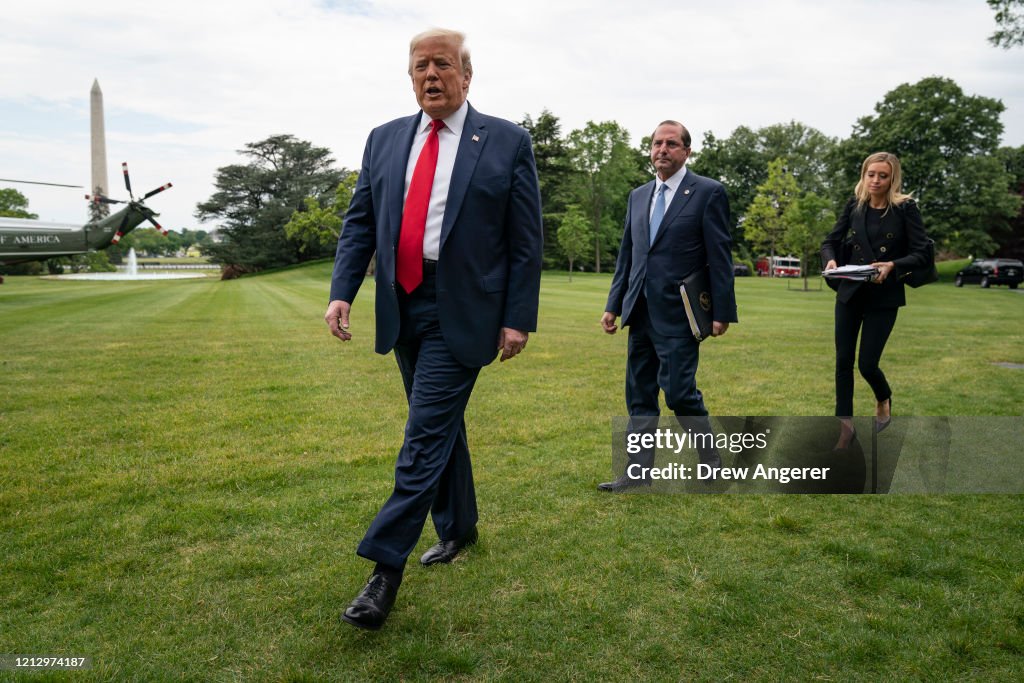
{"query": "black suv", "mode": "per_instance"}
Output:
(992, 271)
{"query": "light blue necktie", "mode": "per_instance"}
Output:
(659, 211)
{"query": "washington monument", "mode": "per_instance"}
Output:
(99, 145)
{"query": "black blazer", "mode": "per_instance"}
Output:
(901, 240)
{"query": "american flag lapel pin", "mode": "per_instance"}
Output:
(686, 191)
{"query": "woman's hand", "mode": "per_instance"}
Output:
(884, 268)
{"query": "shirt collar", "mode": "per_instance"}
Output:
(454, 122)
(673, 182)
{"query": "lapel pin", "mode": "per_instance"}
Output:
(476, 138)
(686, 192)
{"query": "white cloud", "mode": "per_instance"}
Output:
(219, 74)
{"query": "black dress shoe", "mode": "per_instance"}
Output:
(623, 483)
(372, 606)
(445, 551)
(712, 459)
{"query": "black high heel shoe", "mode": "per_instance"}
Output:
(880, 425)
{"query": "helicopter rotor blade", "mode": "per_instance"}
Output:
(100, 199)
(162, 229)
(127, 180)
(157, 190)
(120, 229)
(36, 182)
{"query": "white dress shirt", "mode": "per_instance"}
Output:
(672, 184)
(448, 144)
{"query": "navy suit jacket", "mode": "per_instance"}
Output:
(488, 271)
(693, 233)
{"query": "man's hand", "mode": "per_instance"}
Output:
(336, 318)
(718, 329)
(608, 322)
(511, 342)
(831, 265)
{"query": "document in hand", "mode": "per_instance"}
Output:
(857, 273)
(695, 289)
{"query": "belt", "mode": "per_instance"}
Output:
(429, 266)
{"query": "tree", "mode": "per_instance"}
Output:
(808, 220)
(606, 169)
(150, 242)
(97, 262)
(190, 238)
(987, 207)
(574, 235)
(765, 222)
(740, 162)
(97, 211)
(319, 225)
(254, 201)
(14, 204)
(1012, 244)
(555, 174)
(1010, 19)
(946, 142)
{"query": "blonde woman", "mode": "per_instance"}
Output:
(880, 227)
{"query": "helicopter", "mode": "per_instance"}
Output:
(23, 240)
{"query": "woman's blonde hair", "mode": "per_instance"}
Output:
(895, 197)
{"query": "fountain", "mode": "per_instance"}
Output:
(133, 263)
(130, 272)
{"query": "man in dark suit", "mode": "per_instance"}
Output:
(448, 199)
(675, 224)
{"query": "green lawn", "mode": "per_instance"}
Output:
(187, 467)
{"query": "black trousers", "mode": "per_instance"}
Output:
(433, 474)
(873, 325)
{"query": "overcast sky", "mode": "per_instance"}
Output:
(188, 83)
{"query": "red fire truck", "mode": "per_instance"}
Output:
(781, 266)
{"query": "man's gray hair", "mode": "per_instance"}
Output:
(456, 38)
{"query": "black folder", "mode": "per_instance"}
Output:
(695, 289)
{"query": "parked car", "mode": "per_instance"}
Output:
(991, 271)
(740, 269)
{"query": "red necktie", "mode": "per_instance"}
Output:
(409, 267)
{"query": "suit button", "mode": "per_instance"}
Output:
(856, 247)
(392, 285)
(888, 235)
(853, 232)
(883, 250)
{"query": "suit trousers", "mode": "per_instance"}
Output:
(874, 326)
(433, 471)
(654, 362)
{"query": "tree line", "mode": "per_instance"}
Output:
(785, 182)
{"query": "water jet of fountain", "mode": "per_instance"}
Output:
(133, 263)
